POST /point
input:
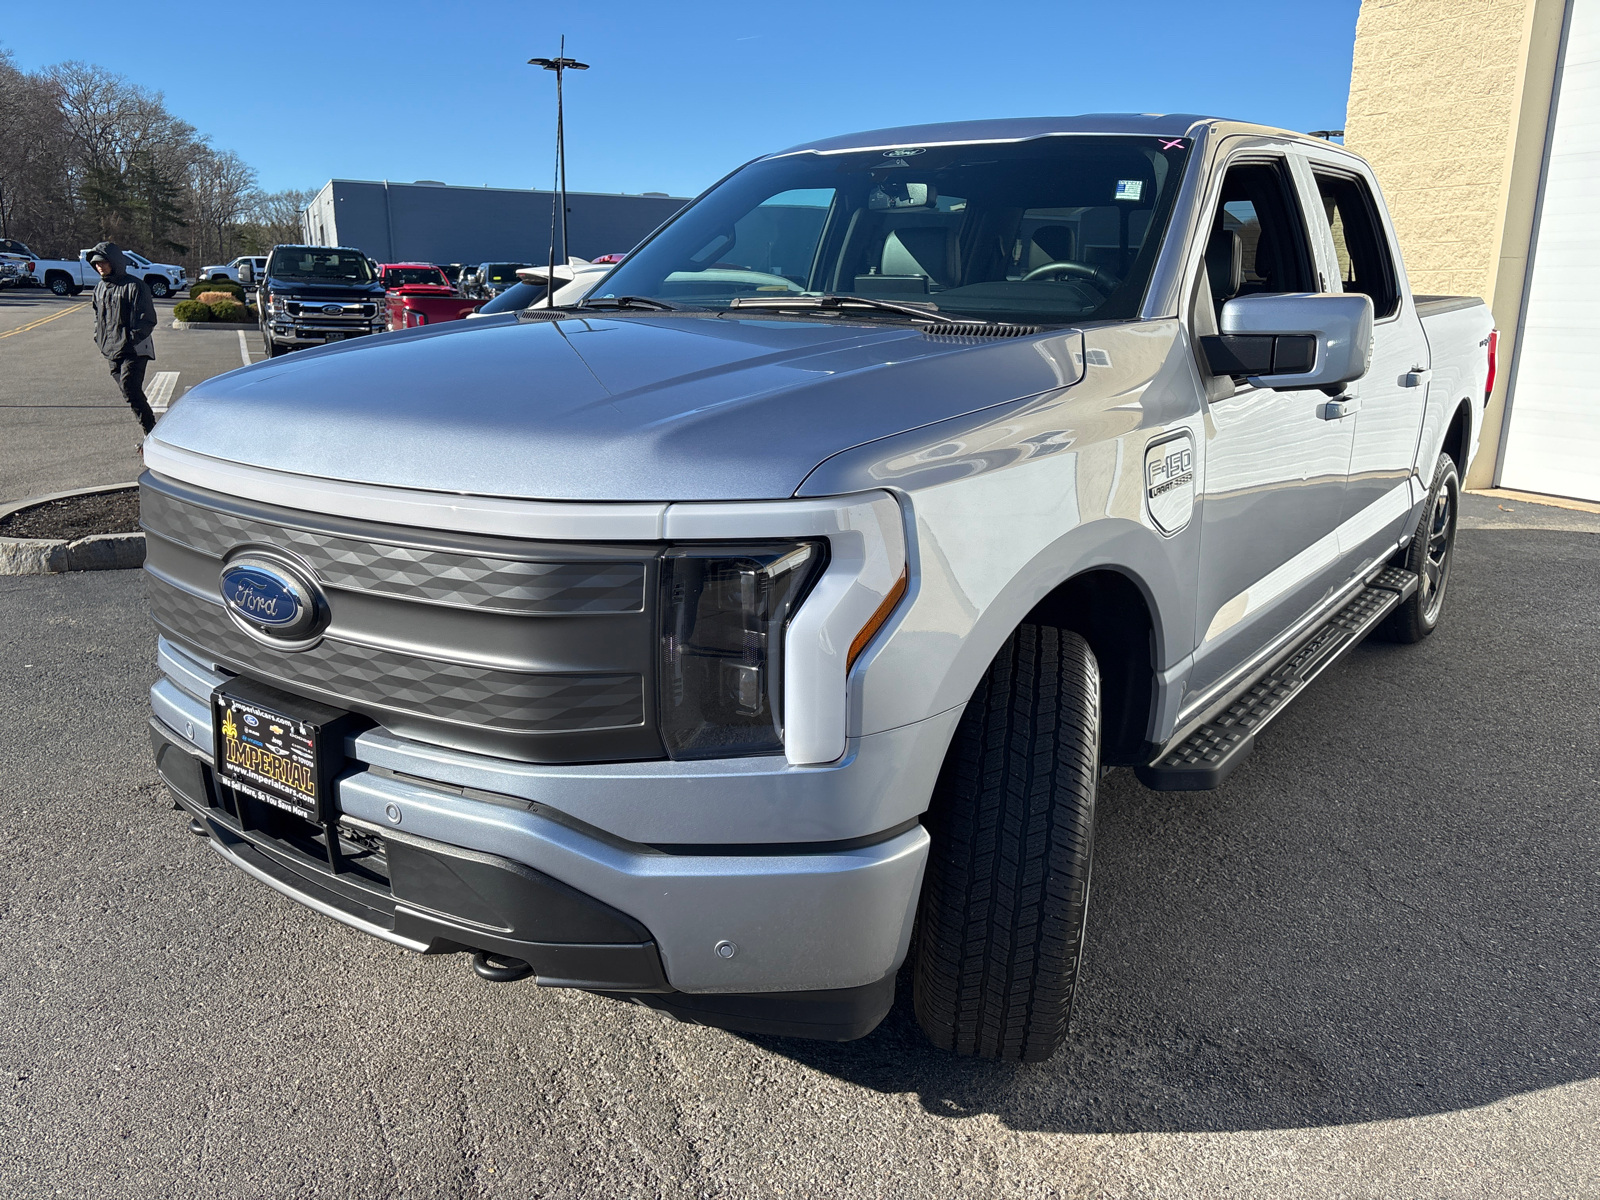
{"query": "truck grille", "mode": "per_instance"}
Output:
(537, 651)
(411, 571)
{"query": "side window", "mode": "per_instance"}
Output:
(1258, 239)
(1357, 237)
(1364, 263)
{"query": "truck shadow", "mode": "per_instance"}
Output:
(1388, 912)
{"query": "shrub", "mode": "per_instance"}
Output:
(222, 285)
(191, 310)
(213, 297)
(227, 310)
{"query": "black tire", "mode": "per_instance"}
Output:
(158, 287)
(1000, 928)
(1429, 557)
(60, 285)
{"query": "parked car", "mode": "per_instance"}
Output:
(258, 263)
(792, 589)
(67, 277)
(25, 272)
(419, 294)
(491, 278)
(573, 283)
(313, 295)
(11, 267)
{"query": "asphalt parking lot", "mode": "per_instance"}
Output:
(1369, 967)
(63, 424)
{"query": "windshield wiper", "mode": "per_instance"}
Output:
(624, 302)
(834, 302)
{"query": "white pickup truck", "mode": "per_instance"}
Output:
(258, 264)
(788, 593)
(66, 277)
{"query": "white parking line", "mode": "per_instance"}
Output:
(160, 393)
(244, 349)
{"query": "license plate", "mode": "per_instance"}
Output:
(333, 337)
(277, 748)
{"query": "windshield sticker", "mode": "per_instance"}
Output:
(903, 152)
(1129, 189)
(1172, 143)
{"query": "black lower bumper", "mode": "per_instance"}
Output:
(421, 894)
(433, 898)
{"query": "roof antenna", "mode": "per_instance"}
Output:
(560, 64)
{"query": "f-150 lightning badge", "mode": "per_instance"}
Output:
(1169, 481)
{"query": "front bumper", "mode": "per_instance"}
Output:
(807, 918)
(301, 335)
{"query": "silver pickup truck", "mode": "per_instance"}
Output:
(769, 617)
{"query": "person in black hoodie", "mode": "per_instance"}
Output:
(124, 319)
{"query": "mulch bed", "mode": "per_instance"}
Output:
(76, 516)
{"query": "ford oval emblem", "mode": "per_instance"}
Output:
(270, 597)
(333, 310)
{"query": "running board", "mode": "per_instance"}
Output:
(1203, 758)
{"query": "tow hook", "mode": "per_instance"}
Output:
(498, 968)
(198, 827)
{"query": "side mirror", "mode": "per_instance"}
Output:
(247, 273)
(1294, 340)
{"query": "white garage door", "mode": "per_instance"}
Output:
(1553, 439)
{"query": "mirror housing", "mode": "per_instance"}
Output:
(1294, 340)
(247, 273)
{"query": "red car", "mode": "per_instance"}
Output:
(420, 294)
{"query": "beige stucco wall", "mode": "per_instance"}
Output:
(1449, 100)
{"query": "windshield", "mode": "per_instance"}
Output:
(1055, 229)
(401, 276)
(513, 299)
(501, 272)
(325, 266)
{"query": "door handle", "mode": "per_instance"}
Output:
(1337, 410)
(1415, 377)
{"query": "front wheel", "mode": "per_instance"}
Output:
(1429, 557)
(159, 288)
(1000, 934)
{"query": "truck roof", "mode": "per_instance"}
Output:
(1017, 129)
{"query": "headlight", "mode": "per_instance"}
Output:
(724, 612)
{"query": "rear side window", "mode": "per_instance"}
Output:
(1364, 262)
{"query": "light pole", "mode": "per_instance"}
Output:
(560, 64)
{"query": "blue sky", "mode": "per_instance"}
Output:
(678, 93)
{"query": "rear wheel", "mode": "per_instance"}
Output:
(1429, 556)
(1001, 923)
(60, 285)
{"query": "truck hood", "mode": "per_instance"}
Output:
(605, 408)
(300, 289)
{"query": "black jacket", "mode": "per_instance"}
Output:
(124, 313)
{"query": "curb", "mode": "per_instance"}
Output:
(54, 556)
(222, 326)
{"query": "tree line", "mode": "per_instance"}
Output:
(86, 155)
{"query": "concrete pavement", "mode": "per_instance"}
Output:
(63, 424)
(1368, 967)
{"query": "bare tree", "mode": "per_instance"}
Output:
(275, 218)
(85, 154)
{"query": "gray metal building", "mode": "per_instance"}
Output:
(434, 222)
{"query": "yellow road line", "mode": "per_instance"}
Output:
(41, 321)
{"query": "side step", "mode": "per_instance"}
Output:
(1203, 758)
